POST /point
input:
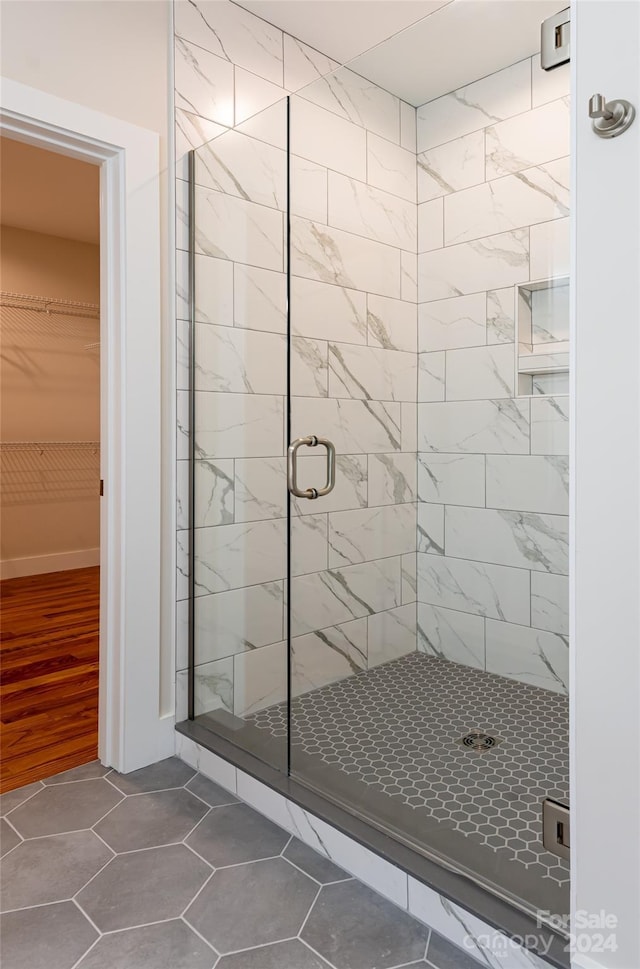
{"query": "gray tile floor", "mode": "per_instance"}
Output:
(396, 730)
(162, 869)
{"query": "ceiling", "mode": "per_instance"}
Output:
(424, 49)
(43, 191)
(342, 29)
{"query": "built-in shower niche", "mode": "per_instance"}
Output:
(542, 343)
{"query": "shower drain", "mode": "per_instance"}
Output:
(477, 740)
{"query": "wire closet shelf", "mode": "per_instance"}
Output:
(24, 314)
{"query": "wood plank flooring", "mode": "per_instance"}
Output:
(49, 674)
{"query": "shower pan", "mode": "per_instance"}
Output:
(378, 511)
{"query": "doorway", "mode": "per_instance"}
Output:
(50, 462)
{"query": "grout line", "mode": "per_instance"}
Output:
(88, 917)
(201, 936)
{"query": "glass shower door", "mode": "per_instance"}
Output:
(238, 375)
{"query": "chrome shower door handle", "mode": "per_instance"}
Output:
(292, 467)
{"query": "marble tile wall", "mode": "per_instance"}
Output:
(493, 206)
(354, 237)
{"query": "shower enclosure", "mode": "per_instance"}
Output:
(379, 514)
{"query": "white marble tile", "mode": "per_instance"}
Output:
(475, 938)
(303, 64)
(391, 167)
(326, 312)
(356, 426)
(260, 489)
(476, 427)
(430, 529)
(237, 164)
(328, 655)
(259, 679)
(370, 373)
(391, 323)
(529, 139)
(478, 588)
(511, 202)
(408, 123)
(213, 686)
(431, 225)
(550, 425)
(431, 376)
(370, 868)
(242, 619)
(192, 132)
(182, 565)
(333, 256)
(350, 490)
(528, 482)
(489, 263)
(450, 323)
(451, 167)
(182, 285)
(182, 426)
(309, 367)
(323, 599)
(521, 539)
(238, 361)
(372, 213)
(451, 479)
(456, 636)
(182, 355)
(392, 634)
(392, 478)
(550, 315)
(233, 556)
(182, 495)
(259, 298)
(550, 249)
(326, 139)
(480, 373)
(550, 602)
(231, 228)
(238, 425)
(500, 315)
(371, 533)
(214, 290)
(549, 85)
(409, 419)
(203, 83)
(308, 189)
(269, 125)
(493, 98)
(309, 537)
(265, 800)
(208, 763)
(359, 100)
(551, 384)
(409, 276)
(253, 94)
(409, 578)
(214, 487)
(233, 33)
(528, 655)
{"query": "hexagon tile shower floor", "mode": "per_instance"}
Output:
(398, 729)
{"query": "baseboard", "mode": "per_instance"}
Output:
(59, 562)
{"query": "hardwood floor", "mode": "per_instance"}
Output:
(49, 674)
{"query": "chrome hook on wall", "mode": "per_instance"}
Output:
(611, 118)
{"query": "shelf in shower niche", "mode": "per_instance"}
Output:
(542, 336)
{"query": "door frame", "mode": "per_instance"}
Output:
(134, 729)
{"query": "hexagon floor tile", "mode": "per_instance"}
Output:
(71, 902)
(396, 730)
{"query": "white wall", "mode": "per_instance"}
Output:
(605, 689)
